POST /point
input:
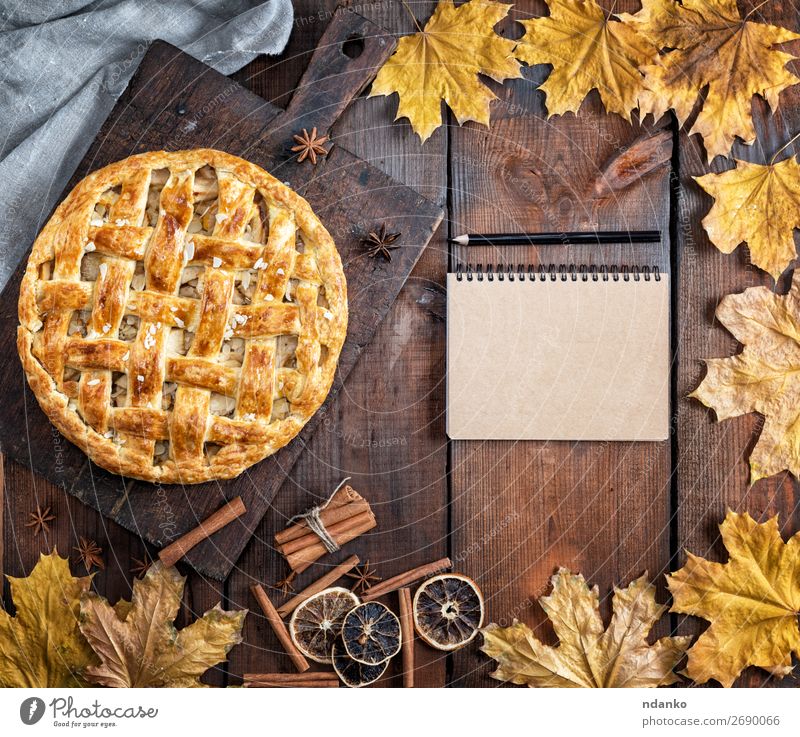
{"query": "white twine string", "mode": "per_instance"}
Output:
(315, 523)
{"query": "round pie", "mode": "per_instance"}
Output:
(181, 315)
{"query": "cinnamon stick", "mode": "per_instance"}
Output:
(312, 538)
(404, 579)
(279, 628)
(290, 680)
(321, 583)
(170, 555)
(348, 530)
(290, 677)
(347, 502)
(407, 631)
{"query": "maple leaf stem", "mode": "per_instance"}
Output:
(783, 148)
(416, 22)
(753, 9)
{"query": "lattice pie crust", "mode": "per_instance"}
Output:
(181, 316)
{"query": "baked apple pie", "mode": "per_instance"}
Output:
(181, 316)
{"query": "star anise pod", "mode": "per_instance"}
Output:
(140, 567)
(90, 554)
(379, 243)
(286, 585)
(39, 520)
(364, 576)
(309, 146)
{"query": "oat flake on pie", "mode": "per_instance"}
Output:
(181, 315)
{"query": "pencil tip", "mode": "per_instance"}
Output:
(462, 240)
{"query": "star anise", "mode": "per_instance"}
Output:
(309, 146)
(140, 567)
(286, 585)
(90, 554)
(39, 520)
(379, 243)
(364, 576)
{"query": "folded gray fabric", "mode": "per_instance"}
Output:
(64, 63)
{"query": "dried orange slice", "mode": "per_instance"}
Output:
(317, 622)
(448, 611)
(371, 633)
(351, 672)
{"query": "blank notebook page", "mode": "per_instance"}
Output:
(558, 360)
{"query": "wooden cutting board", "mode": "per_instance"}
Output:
(176, 102)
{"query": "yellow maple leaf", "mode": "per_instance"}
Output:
(752, 602)
(758, 205)
(588, 50)
(588, 656)
(709, 43)
(137, 641)
(764, 377)
(442, 62)
(42, 646)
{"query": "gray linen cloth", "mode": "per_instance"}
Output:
(63, 64)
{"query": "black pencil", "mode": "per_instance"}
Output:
(564, 238)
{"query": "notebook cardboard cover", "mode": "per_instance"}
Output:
(558, 360)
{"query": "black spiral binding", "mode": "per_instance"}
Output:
(553, 272)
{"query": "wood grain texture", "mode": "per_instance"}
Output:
(508, 514)
(176, 102)
(387, 430)
(711, 464)
(2, 520)
(521, 509)
(24, 490)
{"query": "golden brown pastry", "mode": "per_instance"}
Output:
(181, 316)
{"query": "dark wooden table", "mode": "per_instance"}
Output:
(507, 513)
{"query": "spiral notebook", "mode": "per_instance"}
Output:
(558, 353)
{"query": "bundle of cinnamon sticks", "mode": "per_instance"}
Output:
(345, 517)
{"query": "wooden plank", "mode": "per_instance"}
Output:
(174, 102)
(387, 431)
(713, 473)
(2, 519)
(25, 490)
(520, 510)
